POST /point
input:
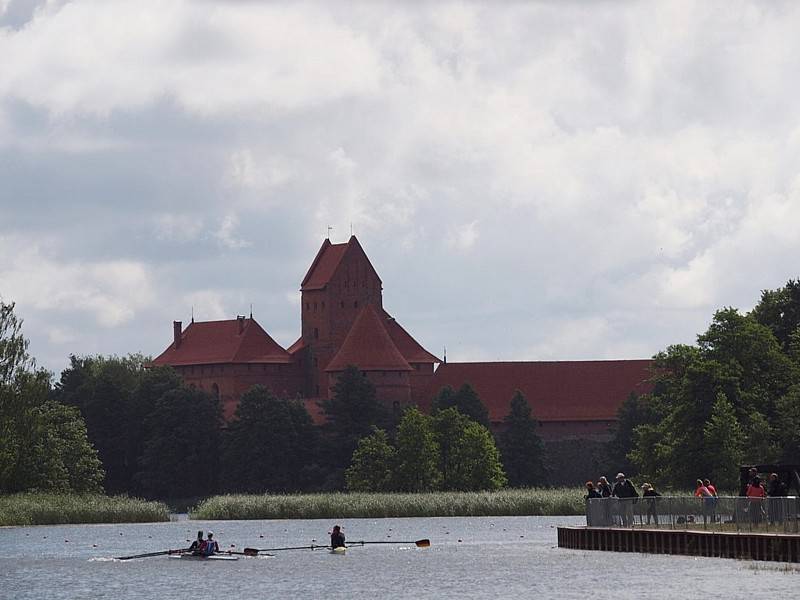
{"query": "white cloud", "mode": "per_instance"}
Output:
(226, 234)
(613, 172)
(111, 292)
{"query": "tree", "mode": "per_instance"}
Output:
(14, 358)
(724, 439)
(115, 395)
(521, 447)
(45, 446)
(181, 454)
(372, 464)
(780, 311)
(475, 460)
(417, 454)
(466, 400)
(351, 413)
(269, 445)
(787, 425)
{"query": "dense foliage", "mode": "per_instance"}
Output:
(448, 451)
(730, 399)
(521, 447)
(270, 445)
(351, 413)
(466, 400)
(45, 444)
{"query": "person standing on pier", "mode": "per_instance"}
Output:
(650, 495)
(627, 494)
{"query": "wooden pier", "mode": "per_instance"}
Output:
(779, 547)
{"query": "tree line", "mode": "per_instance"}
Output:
(118, 425)
(732, 398)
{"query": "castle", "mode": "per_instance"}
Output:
(343, 322)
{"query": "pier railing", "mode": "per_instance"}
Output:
(723, 513)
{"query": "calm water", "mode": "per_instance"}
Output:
(488, 557)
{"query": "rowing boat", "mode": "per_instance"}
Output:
(201, 557)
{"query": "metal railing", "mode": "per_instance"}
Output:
(723, 513)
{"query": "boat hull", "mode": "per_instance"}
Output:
(203, 558)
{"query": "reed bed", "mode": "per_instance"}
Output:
(56, 509)
(510, 502)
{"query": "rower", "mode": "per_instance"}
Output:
(211, 546)
(337, 537)
(197, 545)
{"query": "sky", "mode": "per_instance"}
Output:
(531, 181)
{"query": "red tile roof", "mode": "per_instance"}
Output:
(327, 262)
(219, 342)
(369, 346)
(556, 391)
(324, 266)
(411, 350)
(297, 346)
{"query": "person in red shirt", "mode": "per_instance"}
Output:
(756, 494)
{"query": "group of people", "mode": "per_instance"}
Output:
(209, 546)
(756, 492)
(753, 504)
(204, 547)
(624, 490)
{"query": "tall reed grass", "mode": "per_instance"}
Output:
(510, 502)
(53, 509)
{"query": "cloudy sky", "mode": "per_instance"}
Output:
(532, 181)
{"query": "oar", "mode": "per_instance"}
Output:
(424, 543)
(149, 554)
(254, 551)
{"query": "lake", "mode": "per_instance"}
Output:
(481, 557)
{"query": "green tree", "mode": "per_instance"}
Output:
(417, 454)
(468, 457)
(780, 311)
(475, 460)
(351, 413)
(787, 425)
(269, 445)
(181, 454)
(14, 358)
(466, 400)
(45, 446)
(115, 396)
(372, 464)
(521, 447)
(724, 439)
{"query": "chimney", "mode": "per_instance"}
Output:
(240, 318)
(176, 332)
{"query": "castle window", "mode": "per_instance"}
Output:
(315, 306)
(316, 361)
(396, 406)
(316, 333)
(215, 390)
(264, 368)
(323, 306)
(355, 304)
(317, 389)
(341, 304)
